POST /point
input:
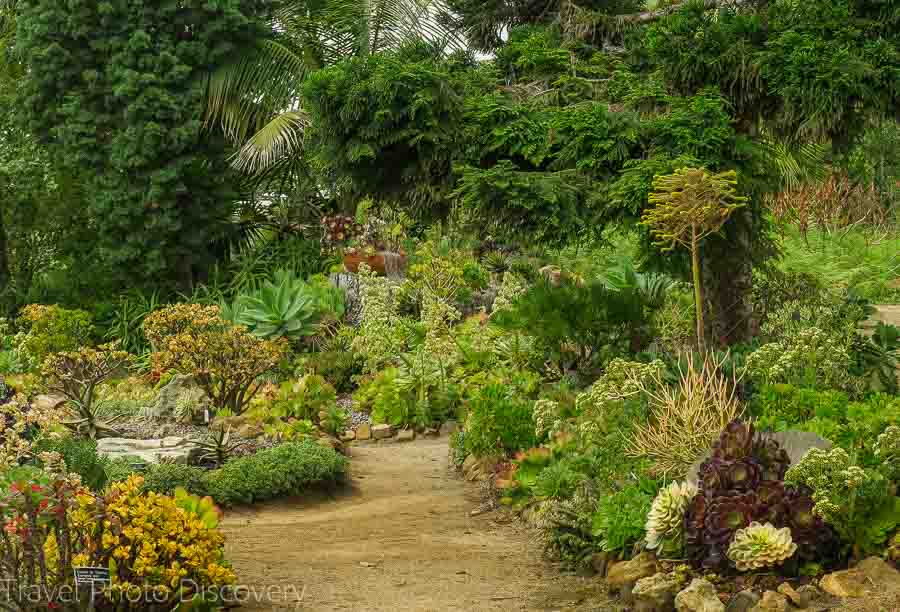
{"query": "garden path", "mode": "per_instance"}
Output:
(402, 538)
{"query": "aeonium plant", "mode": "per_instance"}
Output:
(740, 514)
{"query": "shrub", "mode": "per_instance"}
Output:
(226, 361)
(165, 478)
(76, 376)
(685, 418)
(499, 423)
(178, 319)
(338, 367)
(20, 426)
(304, 399)
(51, 329)
(156, 550)
(853, 425)
(80, 457)
(286, 469)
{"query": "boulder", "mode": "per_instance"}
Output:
(742, 602)
(47, 403)
(171, 449)
(699, 596)
(431, 432)
(798, 599)
(383, 431)
(772, 602)
(182, 388)
(406, 435)
(629, 572)
(348, 436)
(364, 431)
(872, 575)
(655, 593)
(449, 427)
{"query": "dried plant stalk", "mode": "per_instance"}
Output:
(685, 419)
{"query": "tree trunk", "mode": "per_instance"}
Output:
(698, 288)
(7, 299)
(728, 283)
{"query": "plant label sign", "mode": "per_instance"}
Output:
(92, 575)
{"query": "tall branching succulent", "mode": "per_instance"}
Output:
(689, 206)
(76, 375)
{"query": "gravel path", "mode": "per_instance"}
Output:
(402, 538)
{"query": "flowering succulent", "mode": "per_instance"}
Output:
(758, 546)
(665, 522)
(855, 501)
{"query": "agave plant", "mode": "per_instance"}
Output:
(218, 446)
(283, 307)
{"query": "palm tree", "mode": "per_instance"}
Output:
(255, 100)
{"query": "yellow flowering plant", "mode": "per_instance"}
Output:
(159, 550)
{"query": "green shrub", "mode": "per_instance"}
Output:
(304, 399)
(619, 522)
(852, 425)
(80, 457)
(164, 478)
(336, 367)
(499, 423)
(283, 470)
(120, 468)
(51, 329)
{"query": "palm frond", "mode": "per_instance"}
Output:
(280, 138)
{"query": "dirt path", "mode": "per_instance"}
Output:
(402, 538)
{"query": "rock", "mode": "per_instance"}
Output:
(772, 602)
(810, 593)
(332, 443)
(655, 593)
(796, 443)
(172, 449)
(348, 436)
(322, 415)
(742, 602)
(870, 576)
(798, 599)
(475, 468)
(406, 435)
(47, 403)
(381, 432)
(449, 427)
(629, 572)
(250, 431)
(431, 432)
(364, 431)
(181, 389)
(600, 562)
(699, 596)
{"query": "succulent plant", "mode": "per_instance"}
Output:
(742, 483)
(665, 521)
(772, 459)
(736, 441)
(758, 546)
